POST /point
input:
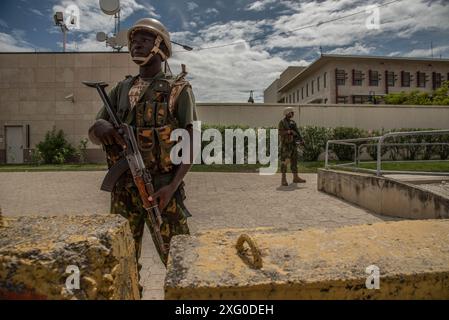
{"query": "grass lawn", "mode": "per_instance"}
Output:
(304, 167)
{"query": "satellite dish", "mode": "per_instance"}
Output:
(101, 36)
(110, 7)
(122, 38)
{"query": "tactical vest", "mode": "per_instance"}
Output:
(287, 139)
(154, 119)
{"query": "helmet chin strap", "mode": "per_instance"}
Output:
(141, 61)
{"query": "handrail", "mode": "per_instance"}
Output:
(379, 143)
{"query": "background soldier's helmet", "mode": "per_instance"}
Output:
(288, 110)
(156, 27)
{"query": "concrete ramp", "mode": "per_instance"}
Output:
(412, 258)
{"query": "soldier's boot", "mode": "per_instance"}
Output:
(284, 179)
(297, 179)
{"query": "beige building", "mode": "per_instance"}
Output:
(337, 79)
(42, 90)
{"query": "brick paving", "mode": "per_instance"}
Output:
(216, 201)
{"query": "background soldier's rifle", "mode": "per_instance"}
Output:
(132, 160)
(295, 132)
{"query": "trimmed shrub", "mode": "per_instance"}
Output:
(55, 149)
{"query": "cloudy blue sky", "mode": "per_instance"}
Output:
(260, 31)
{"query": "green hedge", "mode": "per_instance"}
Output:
(316, 137)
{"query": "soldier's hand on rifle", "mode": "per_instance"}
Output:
(107, 134)
(163, 196)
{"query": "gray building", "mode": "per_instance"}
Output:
(349, 79)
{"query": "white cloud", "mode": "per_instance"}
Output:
(37, 12)
(401, 19)
(191, 6)
(9, 43)
(355, 49)
(92, 19)
(212, 11)
(427, 52)
(229, 73)
(259, 5)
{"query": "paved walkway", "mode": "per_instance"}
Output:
(216, 200)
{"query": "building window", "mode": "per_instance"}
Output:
(325, 79)
(405, 79)
(302, 93)
(307, 90)
(421, 79)
(357, 77)
(312, 85)
(373, 78)
(340, 77)
(297, 95)
(436, 77)
(391, 78)
(342, 99)
(318, 83)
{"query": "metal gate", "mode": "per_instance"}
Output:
(14, 144)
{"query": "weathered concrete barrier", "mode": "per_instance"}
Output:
(384, 195)
(39, 255)
(412, 258)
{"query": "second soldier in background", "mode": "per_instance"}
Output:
(290, 137)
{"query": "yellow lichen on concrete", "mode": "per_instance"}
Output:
(412, 257)
(38, 256)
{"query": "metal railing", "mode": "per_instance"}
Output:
(378, 142)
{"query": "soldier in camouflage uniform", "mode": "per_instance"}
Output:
(289, 138)
(154, 104)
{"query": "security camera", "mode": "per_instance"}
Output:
(58, 17)
(70, 97)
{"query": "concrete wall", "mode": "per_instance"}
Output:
(360, 116)
(384, 195)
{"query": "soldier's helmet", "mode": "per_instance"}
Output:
(156, 27)
(288, 110)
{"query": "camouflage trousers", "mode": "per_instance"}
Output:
(126, 201)
(289, 153)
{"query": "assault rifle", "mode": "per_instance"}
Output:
(296, 134)
(132, 160)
